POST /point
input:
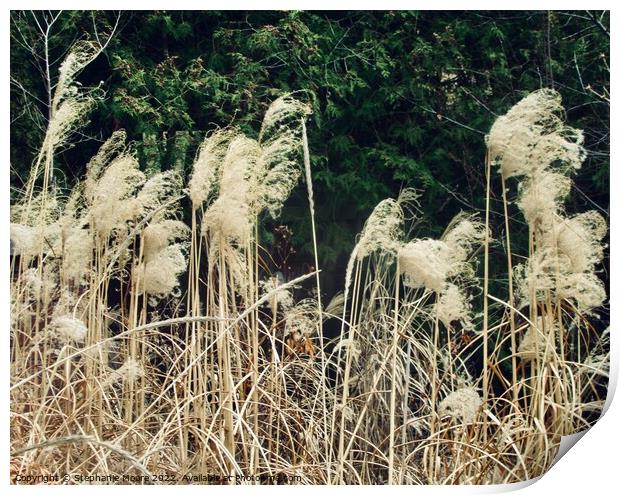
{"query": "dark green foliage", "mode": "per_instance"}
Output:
(400, 99)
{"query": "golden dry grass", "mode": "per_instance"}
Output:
(144, 348)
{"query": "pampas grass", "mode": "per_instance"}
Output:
(146, 346)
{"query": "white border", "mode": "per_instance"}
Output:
(590, 467)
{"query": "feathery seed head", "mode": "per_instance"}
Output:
(41, 210)
(36, 284)
(531, 136)
(70, 114)
(585, 289)
(462, 404)
(77, 254)
(230, 215)
(80, 55)
(129, 372)
(158, 235)
(113, 200)
(281, 299)
(302, 319)
(535, 338)
(30, 241)
(207, 165)
(158, 277)
(549, 270)
(452, 305)
(281, 143)
(463, 235)
(541, 197)
(578, 240)
(425, 263)
(26, 241)
(114, 146)
(69, 107)
(283, 112)
(383, 230)
(282, 171)
(69, 329)
(155, 192)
